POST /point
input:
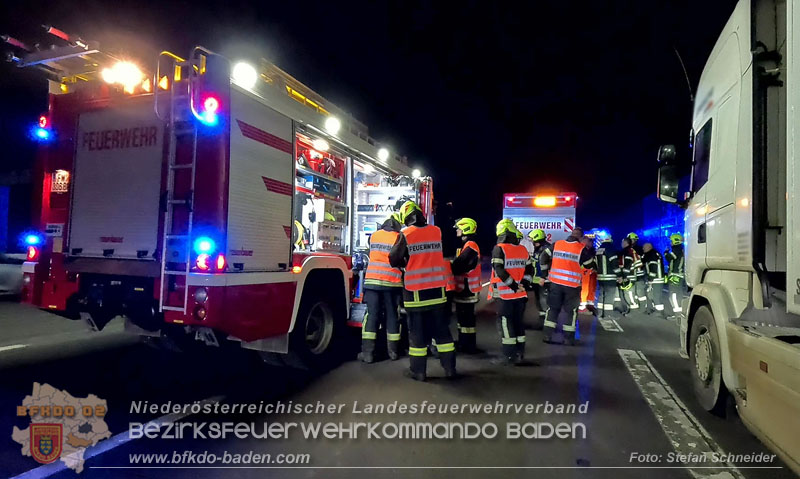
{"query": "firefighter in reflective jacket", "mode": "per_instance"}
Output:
(382, 292)
(542, 257)
(589, 283)
(640, 283)
(608, 270)
(512, 272)
(628, 261)
(654, 267)
(467, 270)
(675, 272)
(566, 275)
(419, 250)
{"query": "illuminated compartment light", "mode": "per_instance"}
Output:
(245, 75)
(383, 154)
(320, 144)
(332, 125)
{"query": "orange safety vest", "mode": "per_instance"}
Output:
(379, 271)
(451, 280)
(565, 268)
(473, 277)
(516, 258)
(425, 268)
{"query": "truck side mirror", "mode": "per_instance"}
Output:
(666, 155)
(668, 179)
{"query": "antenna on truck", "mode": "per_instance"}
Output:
(685, 74)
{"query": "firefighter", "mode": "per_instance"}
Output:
(382, 292)
(467, 270)
(640, 283)
(419, 250)
(589, 280)
(675, 272)
(566, 276)
(654, 266)
(512, 272)
(608, 270)
(628, 261)
(542, 256)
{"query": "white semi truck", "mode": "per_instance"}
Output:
(740, 325)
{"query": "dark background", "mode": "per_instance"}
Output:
(488, 97)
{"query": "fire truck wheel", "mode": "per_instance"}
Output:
(315, 342)
(706, 369)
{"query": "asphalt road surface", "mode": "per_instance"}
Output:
(640, 408)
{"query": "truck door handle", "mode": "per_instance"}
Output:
(701, 234)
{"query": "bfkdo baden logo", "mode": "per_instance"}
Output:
(46, 442)
(61, 426)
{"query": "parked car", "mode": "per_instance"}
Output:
(11, 274)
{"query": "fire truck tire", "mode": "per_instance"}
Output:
(316, 342)
(706, 369)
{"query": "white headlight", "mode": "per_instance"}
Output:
(245, 75)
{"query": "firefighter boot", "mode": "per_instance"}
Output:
(519, 357)
(393, 349)
(448, 361)
(417, 367)
(367, 353)
(548, 335)
(569, 338)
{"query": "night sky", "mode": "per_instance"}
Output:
(488, 97)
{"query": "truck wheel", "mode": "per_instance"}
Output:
(316, 338)
(704, 350)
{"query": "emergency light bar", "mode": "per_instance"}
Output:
(516, 200)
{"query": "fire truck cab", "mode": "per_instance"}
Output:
(211, 201)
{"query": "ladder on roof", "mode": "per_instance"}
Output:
(176, 241)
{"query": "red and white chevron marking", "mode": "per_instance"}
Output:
(569, 224)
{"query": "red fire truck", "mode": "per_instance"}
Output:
(211, 201)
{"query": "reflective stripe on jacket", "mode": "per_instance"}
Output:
(566, 267)
(379, 271)
(516, 259)
(425, 268)
(473, 277)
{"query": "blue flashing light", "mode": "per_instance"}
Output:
(207, 118)
(204, 245)
(207, 114)
(42, 135)
(32, 239)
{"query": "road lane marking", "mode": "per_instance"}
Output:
(13, 346)
(610, 325)
(104, 446)
(682, 428)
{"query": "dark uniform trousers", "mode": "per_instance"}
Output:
(562, 299)
(382, 308)
(609, 299)
(511, 328)
(540, 293)
(465, 314)
(425, 324)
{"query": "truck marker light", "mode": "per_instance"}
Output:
(200, 313)
(202, 262)
(208, 112)
(43, 121)
(567, 199)
(33, 253)
(204, 245)
(543, 201)
(297, 269)
(163, 83)
(221, 263)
